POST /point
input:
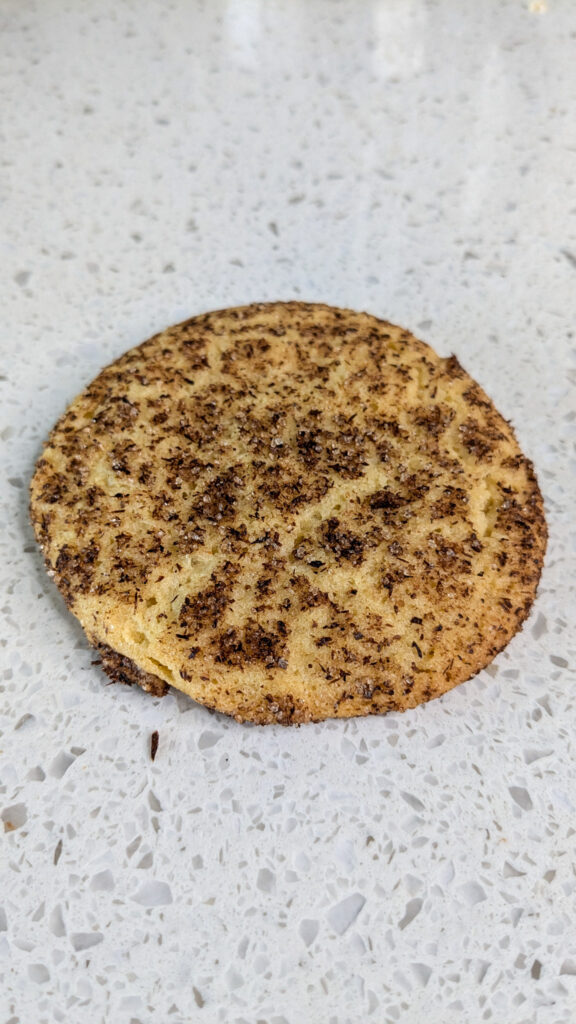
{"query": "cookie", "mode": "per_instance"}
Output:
(290, 512)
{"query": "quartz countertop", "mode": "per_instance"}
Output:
(413, 159)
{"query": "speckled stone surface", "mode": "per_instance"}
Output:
(413, 159)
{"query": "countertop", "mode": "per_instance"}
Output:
(413, 159)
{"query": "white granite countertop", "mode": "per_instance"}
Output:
(415, 159)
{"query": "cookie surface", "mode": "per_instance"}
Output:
(290, 512)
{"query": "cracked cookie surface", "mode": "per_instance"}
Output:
(290, 512)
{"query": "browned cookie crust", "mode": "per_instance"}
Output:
(290, 512)
(121, 669)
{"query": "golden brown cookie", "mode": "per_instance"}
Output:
(290, 512)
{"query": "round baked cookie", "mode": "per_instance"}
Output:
(290, 512)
